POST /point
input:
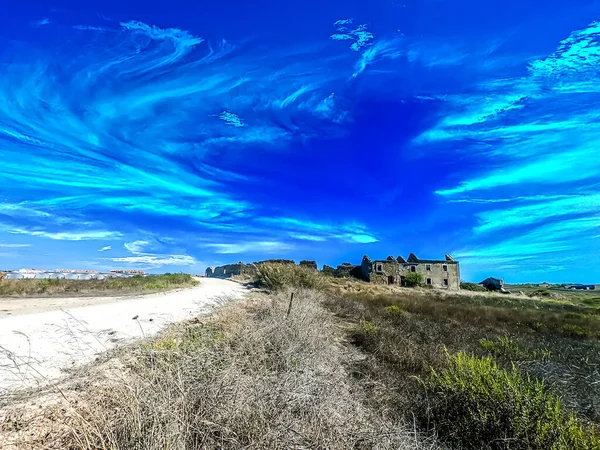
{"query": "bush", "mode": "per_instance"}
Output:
(276, 277)
(413, 279)
(394, 310)
(472, 287)
(474, 404)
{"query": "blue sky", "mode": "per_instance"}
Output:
(169, 136)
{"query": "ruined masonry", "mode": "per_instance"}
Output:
(442, 274)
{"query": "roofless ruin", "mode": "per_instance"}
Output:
(442, 274)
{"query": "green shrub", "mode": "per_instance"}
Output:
(413, 279)
(47, 284)
(367, 327)
(467, 286)
(275, 277)
(394, 310)
(503, 346)
(474, 404)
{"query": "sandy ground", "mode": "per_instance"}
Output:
(38, 344)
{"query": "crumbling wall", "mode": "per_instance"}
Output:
(231, 270)
(386, 271)
(310, 264)
(366, 268)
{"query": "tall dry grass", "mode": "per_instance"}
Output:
(251, 377)
(277, 276)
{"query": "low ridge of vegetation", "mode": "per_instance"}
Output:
(108, 286)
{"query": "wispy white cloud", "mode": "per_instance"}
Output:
(360, 35)
(343, 22)
(267, 247)
(136, 247)
(180, 37)
(41, 22)
(158, 260)
(14, 245)
(105, 249)
(88, 235)
(561, 167)
(308, 237)
(561, 208)
(576, 56)
(231, 119)
(90, 28)
(347, 232)
(378, 51)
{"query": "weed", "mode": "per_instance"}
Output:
(394, 310)
(367, 327)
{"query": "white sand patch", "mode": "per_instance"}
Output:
(37, 347)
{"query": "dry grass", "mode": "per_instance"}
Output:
(250, 376)
(354, 366)
(274, 277)
(509, 312)
(406, 336)
(109, 286)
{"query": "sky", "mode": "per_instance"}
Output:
(172, 136)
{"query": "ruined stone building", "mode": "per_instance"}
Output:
(443, 274)
(230, 270)
(250, 269)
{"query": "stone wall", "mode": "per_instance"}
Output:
(435, 272)
(231, 270)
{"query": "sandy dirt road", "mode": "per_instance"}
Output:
(39, 346)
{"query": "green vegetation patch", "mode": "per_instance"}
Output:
(476, 404)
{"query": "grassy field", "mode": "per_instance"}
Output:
(478, 370)
(109, 286)
(589, 298)
(351, 365)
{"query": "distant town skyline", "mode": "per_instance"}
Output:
(170, 139)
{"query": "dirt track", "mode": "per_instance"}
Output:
(38, 343)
